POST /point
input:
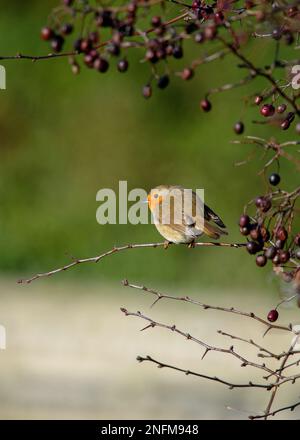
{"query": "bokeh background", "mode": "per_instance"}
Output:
(70, 352)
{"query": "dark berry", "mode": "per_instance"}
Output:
(122, 65)
(244, 220)
(94, 37)
(205, 105)
(285, 124)
(261, 260)
(276, 260)
(258, 99)
(57, 43)
(252, 247)
(177, 52)
(274, 179)
(147, 91)
(156, 21)
(66, 29)
(263, 203)
(284, 257)
(297, 240)
(255, 234)
(163, 81)
(239, 127)
(113, 49)
(85, 45)
(276, 34)
(290, 116)
(101, 65)
(47, 33)
(244, 230)
(77, 45)
(267, 110)
(272, 315)
(219, 17)
(191, 27)
(270, 252)
(281, 108)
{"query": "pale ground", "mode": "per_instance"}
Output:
(72, 354)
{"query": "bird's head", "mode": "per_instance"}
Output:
(160, 194)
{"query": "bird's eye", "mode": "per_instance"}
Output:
(155, 196)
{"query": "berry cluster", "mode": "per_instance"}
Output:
(269, 233)
(109, 31)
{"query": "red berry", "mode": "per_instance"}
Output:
(273, 315)
(281, 233)
(205, 105)
(147, 91)
(267, 110)
(187, 73)
(47, 33)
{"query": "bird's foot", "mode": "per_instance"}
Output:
(192, 244)
(167, 244)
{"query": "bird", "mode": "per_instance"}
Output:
(199, 220)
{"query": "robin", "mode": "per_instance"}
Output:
(177, 224)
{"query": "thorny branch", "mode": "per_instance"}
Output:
(280, 379)
(117, 249)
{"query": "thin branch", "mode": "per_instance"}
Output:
(117, 249)
(285, 408)
(20, 56)
(204, 376)
(207, 347)
(250, 342)
(160, 296)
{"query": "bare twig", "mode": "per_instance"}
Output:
(204, 376)
(173, 328)
(117, 249)
(160, 296)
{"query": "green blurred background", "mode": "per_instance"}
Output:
(64, 137)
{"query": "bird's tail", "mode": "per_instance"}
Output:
(213, 231)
